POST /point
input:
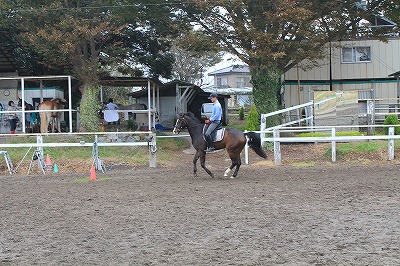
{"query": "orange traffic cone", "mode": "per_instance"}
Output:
(48, 161)
(92, 173)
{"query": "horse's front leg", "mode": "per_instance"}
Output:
(196, 157)
(203, 163)
(58, 124)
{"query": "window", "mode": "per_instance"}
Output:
(222, 82)
(242, 82)
(356, 54)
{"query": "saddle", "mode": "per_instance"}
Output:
(217, 134)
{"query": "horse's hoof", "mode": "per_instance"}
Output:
(227, 171)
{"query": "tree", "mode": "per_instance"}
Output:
(89, 39)
(388, 8)
(252, 121)
(193, 52)
(274, 36)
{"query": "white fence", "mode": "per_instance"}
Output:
(150, 141)
(290, 116)
(276, 139)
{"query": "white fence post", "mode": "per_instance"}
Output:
(39, 141)
(277, 148)
(246, 151)
(263, 125)
(391, 144)
(152, 150)
(333, 145)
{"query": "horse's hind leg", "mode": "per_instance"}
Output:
(238, 164)
(236, 161)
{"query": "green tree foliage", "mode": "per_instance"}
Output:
(193, 53)
(388, 8)
(274, 36)
(90, 39)
(392, 120)
(252, 121)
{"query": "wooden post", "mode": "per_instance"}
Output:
(391, 144)
(277, 148)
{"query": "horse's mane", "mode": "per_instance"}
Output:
(194, 119)
(190, 114)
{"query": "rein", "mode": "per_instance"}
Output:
(187, 124)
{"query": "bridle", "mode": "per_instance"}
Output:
(183, 124)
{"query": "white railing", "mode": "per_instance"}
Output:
(276, 139)
(149, 141)
(308, 116)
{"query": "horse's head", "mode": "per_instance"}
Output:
(59, 101)
(19, 102)
(180, 124)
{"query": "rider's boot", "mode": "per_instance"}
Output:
(210, 144)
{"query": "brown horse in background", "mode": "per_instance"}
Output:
(54, 117)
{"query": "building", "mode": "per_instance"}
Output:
(234, 81)
(172, 98)
(365, 66)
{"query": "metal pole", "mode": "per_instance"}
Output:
(23, 104)
(333, 145)
(246, 150)
(70, 103)
(391, 144)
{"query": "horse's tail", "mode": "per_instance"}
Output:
(255, 143)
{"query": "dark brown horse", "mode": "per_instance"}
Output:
(54, 117)
(234, 141)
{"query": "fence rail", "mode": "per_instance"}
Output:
(276, 139)
(149, 141)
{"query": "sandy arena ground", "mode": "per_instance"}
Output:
(341, 214)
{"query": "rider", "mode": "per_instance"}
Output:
(213, 121)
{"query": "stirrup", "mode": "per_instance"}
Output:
(210, 149)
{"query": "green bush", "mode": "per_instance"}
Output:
(252, 122)
(392, 120)
(241, 113)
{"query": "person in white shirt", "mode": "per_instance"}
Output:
(111, 115)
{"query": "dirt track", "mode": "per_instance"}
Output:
(329, 215)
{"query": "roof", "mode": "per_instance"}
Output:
(232, 69)
(172, 86)
(167, 86)
(129, 82)
(395, 74)
(231, 91)
(7, 60)
(379, 21)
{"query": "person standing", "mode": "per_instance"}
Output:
(111, 115)
(213, 121)
(12, 117)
